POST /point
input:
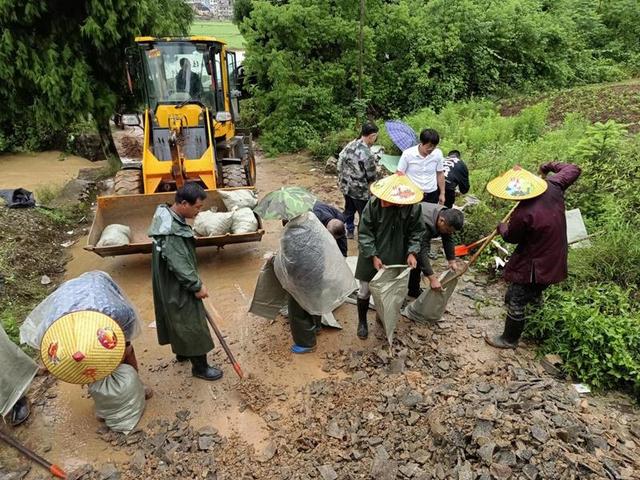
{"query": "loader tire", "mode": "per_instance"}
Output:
(128, 182)
(234, 176)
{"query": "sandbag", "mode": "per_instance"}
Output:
(430, 305)
(209, 223)
(389, 288)
(115, 235)
(93, 290)
(269, 297)
(310, 266)
(244, 221)
(16, 375)
(239, 198)
(119, 399)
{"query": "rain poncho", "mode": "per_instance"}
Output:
(95, 291)
(310, 266)
(180, 316)
(14, 381)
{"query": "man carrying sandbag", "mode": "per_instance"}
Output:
(177, 288)
(439, 222)
(390, 233)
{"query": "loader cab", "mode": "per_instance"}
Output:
(188, 85)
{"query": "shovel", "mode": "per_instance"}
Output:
(462, 250)
(53, 469)
(212, 312)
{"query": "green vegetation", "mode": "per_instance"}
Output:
(73, 66)
(226, 31)
(303, 56)
(593, 319)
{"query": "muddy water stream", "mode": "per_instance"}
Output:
(67, 425)
(36, 170)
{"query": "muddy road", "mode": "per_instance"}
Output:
(66, 423)
(64, 428)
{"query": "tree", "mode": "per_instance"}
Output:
(61, 61)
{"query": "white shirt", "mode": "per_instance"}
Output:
(422, 170)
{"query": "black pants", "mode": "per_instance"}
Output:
(351, 206)
(522, 296)
(303, 325)
(449, 197)
(431, 197)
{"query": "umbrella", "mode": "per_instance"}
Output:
(285, 203)
(402, 135)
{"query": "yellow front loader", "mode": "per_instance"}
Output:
(190, 92)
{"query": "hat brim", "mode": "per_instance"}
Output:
(82, 347)
(501, 187)
(397, 189)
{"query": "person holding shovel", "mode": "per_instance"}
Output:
(439, 222)
(391, 232)
(538, 226)
(177, 288)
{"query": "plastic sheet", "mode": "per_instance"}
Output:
(310, 266)
(95, 291)
(389, 288)
(119, 399)
(430, 305)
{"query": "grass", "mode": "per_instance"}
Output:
(226, 31)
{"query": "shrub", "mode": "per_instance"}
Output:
(596, 331)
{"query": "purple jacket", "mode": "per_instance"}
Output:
(539, 227)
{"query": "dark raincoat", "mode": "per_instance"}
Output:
(180, 316)
(539, 227)
(390, 233)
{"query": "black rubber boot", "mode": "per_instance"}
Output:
(201, 369)
(363, 308)
(20, 412)
(181, 358)
(509, 338)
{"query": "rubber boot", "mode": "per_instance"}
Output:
(363, 308)
(181, 358)
(20, 412)
(414, 283)
(201, 369)
(509, 338)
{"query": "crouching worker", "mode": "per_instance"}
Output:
(390, 233)
(538, 226)
(441, 222)
(178, 290)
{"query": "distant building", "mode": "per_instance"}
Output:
(218, 9)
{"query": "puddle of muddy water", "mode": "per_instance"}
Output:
(36, 170)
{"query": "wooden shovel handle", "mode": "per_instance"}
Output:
(486, 242)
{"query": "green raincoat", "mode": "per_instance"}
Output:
(390, 233)
(180, 316)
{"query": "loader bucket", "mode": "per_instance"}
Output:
(136, 211)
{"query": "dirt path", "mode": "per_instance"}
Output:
(65, 429)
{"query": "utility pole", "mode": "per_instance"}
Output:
(361, 48)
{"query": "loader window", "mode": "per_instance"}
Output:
(176, 72)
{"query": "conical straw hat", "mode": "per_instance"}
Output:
(82, 347)
(398, 189)
(517, 184)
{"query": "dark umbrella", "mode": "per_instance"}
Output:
(402, 135)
